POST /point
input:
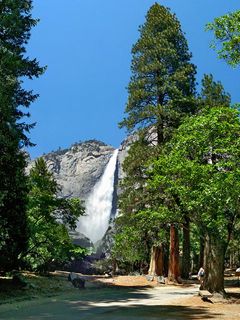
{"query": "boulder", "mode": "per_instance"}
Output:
(161, 280)
(76, 280)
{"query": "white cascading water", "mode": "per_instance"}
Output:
(99, 204)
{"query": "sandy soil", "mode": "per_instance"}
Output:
(122, 297)
(216, 307)
(228, 310)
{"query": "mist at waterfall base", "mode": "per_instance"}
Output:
(99, 204)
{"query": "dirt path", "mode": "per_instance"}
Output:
(108, 303)
(123, 297)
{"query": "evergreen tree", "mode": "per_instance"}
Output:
(161, 92)
(213, 93)
(162, 85)
(49, 219)
(15, 25)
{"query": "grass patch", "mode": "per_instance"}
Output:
(33, 286)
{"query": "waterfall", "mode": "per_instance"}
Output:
(99, 204)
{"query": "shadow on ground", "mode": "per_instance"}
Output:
(105, 304)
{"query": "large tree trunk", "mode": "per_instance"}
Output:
(186, 259)
(174, 270)
(214, 254)
(156, 261)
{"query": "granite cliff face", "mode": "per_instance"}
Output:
(78, 168)
(123, 152)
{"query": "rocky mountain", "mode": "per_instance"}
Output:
(123, 151)
(78, 168)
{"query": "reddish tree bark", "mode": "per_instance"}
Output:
(174, 270)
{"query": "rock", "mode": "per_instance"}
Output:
(76, 280)
(123, 152)
(161, 279)
(104, 246)
(149, 278)
(78, 168)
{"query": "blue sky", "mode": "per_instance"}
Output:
(86, 45)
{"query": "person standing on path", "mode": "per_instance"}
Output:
(201, 274)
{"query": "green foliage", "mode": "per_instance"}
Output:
(233, 253)
(15, 25)
(213, 93)
(135, 230)
(136, 235)
(128, 247)
(49, 218)
(226, 30)
(201, 166)
(78, 252)
(199, 169)
(13, 200)
(133, 199)
(163, 79)
(195, 243)
(161, 93)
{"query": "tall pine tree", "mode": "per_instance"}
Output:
(15, 25)
(162, 85)
(161, 92)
